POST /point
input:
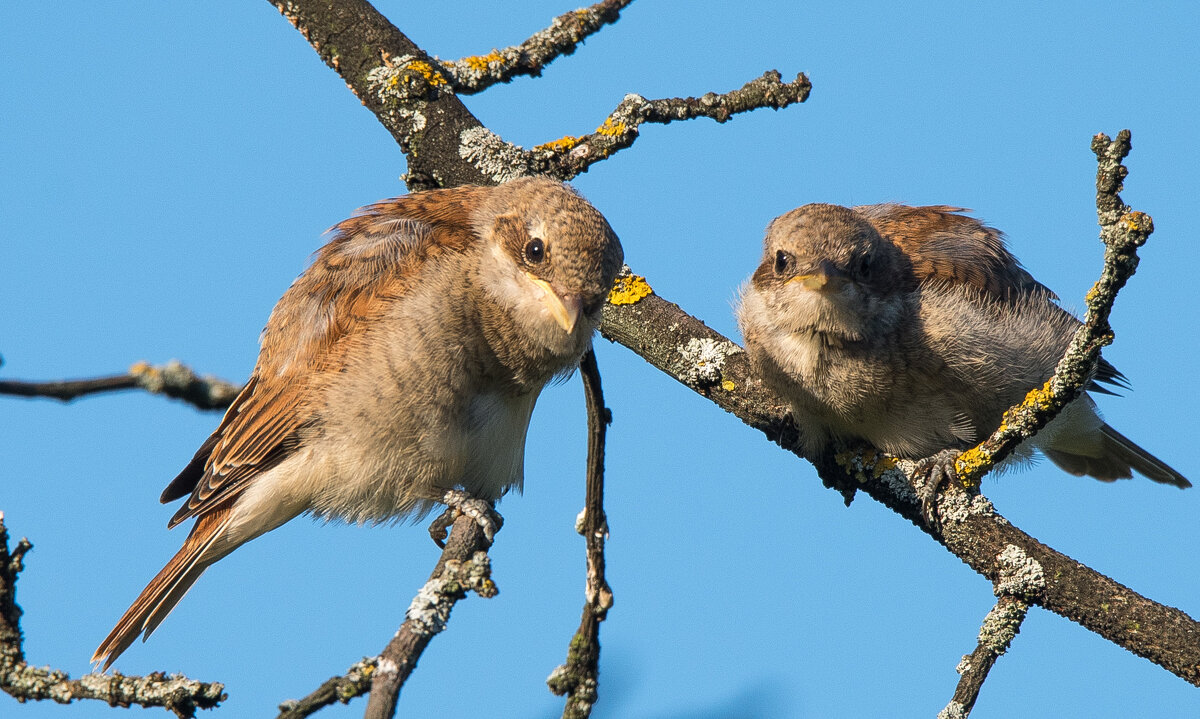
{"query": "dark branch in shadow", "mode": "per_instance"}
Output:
(578, 678)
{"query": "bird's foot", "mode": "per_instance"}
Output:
(459, 503)
(934, 471)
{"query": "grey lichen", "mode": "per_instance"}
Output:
(953, 710)
(1020, 574)
(430, 608)
(703, 360)
(1001, 624)
(492, 156)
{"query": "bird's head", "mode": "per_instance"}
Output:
(553, 259)
(826, 269)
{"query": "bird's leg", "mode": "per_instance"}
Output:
(460, 503)
(935, 471)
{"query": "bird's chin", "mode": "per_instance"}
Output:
(826, 314)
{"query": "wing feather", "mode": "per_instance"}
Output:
(375, 255)
(946, 246)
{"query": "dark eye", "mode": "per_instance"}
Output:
(782, 260)
(535, 251)
(864, 265)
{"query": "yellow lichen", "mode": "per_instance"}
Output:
(970, 464)
(425, 70)
(142, 368)
(882, 465)
(728, 385)
(481, 62)
(1091, 295)
(629, 290)
(562, 144)
(1040, 398)
(1138, 221)
(611, 128)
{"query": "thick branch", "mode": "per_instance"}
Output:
(999, 628)
(717, 368)
(397, 81)
(479, 72)
(445, 144)
(172, 379)
(567, 157)
(578, 678)
(175, 692)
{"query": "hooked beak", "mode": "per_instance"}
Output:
(565, 309)
(827, 278)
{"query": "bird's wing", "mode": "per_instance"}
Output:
(945, 246)
(374, 258)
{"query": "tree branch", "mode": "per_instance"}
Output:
(479, 72)
(715, 367)
(463, 566)
(173, 379)
(569, 156)
(354, 683)
(1122, 231)
(176, 692)
(578, 678)
(999, 628)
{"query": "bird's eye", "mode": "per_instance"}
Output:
(864, 265)
(535, 251)
(782, 260)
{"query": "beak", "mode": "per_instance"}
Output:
(827, 278)
(565, 309)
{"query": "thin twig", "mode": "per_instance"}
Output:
(1123, 230)
(174, 692)
(999, 628)
(173, 379)
(463, 567)
(568, 156)
(479, 72)
(578, 678)
(354, 683)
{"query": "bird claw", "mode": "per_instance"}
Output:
(459, 503)
(936, 471)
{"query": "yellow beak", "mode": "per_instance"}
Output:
(811, 282)
(565, 311)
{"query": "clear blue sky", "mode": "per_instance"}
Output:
(169, 167)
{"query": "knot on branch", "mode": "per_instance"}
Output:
(430, 608)
(176, 380)
(406, 78)
(703, 360)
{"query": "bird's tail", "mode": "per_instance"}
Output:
(166, 589)
(1117, 456)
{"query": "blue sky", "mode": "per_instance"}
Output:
(170, 167)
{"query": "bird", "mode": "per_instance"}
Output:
(402, 364)
(914, 329)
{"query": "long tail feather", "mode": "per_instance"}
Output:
(166, 589)
(1121, 447)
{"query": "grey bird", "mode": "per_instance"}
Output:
(914, 328)
(403, 363)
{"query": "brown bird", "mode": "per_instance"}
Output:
(914, 328)
(404, 363)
